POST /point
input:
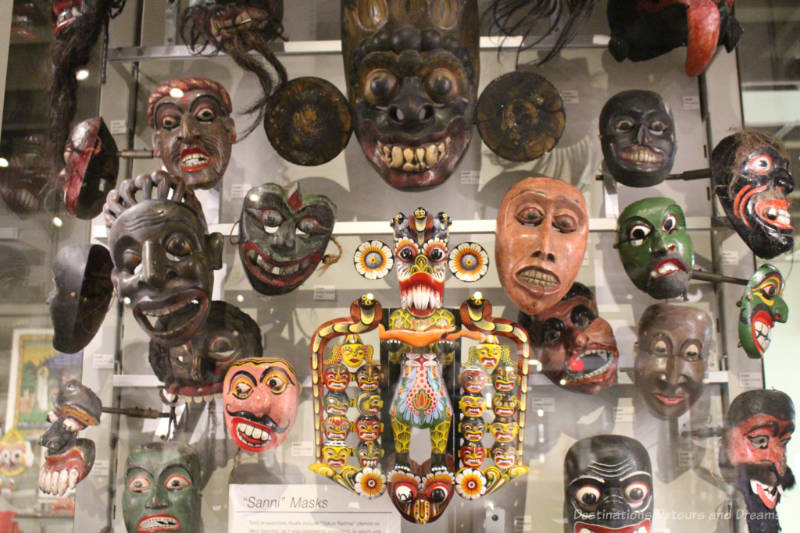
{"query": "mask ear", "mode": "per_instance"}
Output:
(373, 260)
(214, 244)
(230, 127)
(155, 138)
(468, 261)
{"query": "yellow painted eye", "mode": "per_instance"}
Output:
(275, 382)
(242, 388)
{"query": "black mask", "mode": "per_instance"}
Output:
(637, 134)
(80, 300)
(607, 483)
(750, 175)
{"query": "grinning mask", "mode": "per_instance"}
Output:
(162, 489)
(670, 364)
(761, 306)
(577, 348)
(758, 426)
(655, 248)
(79, 302)
(637, 134)
(283, 234)
(751, 178)
(608, 486)
(91, 165)
(542, 228)
(197, 367)
(644, 29)
(163, 257)
(193, 129)
(412, 76)
(260, 396)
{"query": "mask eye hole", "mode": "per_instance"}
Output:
(242, 388)
(379, 86)
(406, 253)
(564, 223)
(405, 492)
(670, 223)
(552, 330)
(176, 482)
(660, 347)
(271, 220)
(438, 492)
(441, 84)
(309, 226)
(582, 316)
(588, 497)
(760, 164)
(169, 122)
(139, 484)
(624, 125)
(530, 216)
(658, 127)
(692, 351)
(759, 441)
(636, 494)
(638, 233)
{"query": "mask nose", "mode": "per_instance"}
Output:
(411, 109)
(785, 181)
(616, 509)
(284, 240)
(642, 136)
(155, 268)
(188, 127)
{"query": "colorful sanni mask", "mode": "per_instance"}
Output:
(671, 350)
(655, 248)
(761, 306)
(260, 397)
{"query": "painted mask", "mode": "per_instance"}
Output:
(472, 405)
(352, 352)
(91, 166)
(62, 471)
(670, 363)
(25, 177)
(576, 347)
(655, 248)
(472, 454)
(750, 175)
(163, 257)
(420, 500)
(542, 228)
(75, 408)
(472, 429)
(504, 429)
(472, 380)
(260, 397)
(758, 426)
(368, 428)
(193, 130)
(336, 403)
(79, 302)
(637, 134)
(504, 378)
(369, 404)
(761, 306)
(608, 486)
(336, 456)
(489, 353)
(369, 454)
(412, 69)
(369, 377)
(162, 489)
(16, 455)
(504, 405)
(283, 234)
(642, 29)
(197, 367)
(336, 428)
(336, 377)
(504, 455)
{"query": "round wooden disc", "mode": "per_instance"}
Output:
(520, 116)
(308, 121)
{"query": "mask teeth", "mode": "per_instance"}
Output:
(413, 158)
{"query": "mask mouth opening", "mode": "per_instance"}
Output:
(761, 328)
(279, 274)
(640, 527)
(158, 522)
(594, 364)
(186, 309)
(774, 212)
(667, 267)
(538, 278)
(639, 155)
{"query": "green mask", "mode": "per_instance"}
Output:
(655, 248)
(761, 306)
(162, 489)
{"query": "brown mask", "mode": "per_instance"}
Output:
(542, 228)
(671, 350)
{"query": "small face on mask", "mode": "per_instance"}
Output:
(162, 489)
(412, 70)
(193, 129)
(637, 134)
(577, 348)
(260, 397)
(670, 363)
(16, 455)
(608, 486)
(655, 248)
(283, 236)
(542, 229)
(762, 305)
(751, 178)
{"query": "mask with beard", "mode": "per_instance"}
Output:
(670, 364)
(655, 248)
(761, 306)
(750, 176)
(637, 134)
(193, 130)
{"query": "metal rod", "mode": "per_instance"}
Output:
(717, 278)
(136, 412)
(699, 174)
(136, 154)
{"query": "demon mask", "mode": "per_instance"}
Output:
(655, 248)
(79, 302)
(197, 367)
(577, 348)
(637, 134)
(193, 130)
(608, 486)
(671, 350)
(412, 77)
(419, 497)
(761, 306)
(283, 234)
(643, 29)
(260, 396)
(163, 257)
(758, 426)
(542, 229)
(162, 489)
(750, 175)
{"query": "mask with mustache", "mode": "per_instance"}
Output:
(260, 400)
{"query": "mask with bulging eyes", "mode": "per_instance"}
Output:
(637, 134)
(762, 305)
(671, 349)
(420, 500)
(16, 455)
(750, 176)
(608, 486)
(655, 248)
(576, 347)
(196, 368)
(283, 234)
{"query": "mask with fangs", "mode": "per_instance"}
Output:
(762, 305)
